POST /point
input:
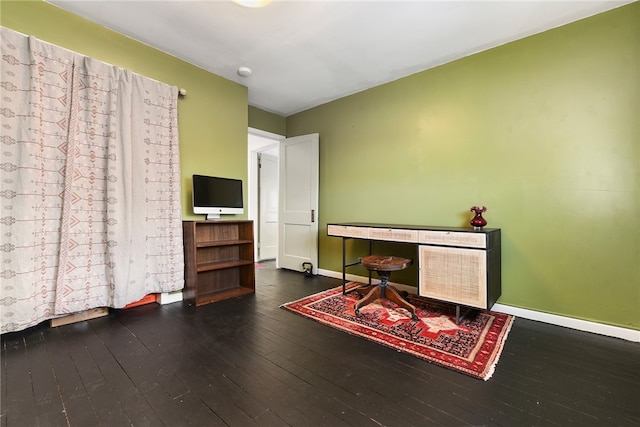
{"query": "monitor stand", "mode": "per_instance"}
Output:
(213, 216)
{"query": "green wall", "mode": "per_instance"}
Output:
(544, 131)
(212, 117)
(269, 122)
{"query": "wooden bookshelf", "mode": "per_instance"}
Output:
(219, 261)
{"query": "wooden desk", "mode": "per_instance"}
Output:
(456, 265)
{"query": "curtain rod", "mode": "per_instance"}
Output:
(181, 91)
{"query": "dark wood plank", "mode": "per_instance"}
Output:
(103, 399)
(78, 407)
(50, 408)
(245, 361)
(127, 397)
(18, 400)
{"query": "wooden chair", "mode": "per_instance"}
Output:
(384, 265)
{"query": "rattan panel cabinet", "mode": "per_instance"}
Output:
(462, 268)
(219, 261)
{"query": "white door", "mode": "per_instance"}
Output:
(298, 194)
(267, 206)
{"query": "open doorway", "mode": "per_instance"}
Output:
(263, 155)
(290, 229)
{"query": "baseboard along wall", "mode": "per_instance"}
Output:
(169, 297)
(554, 319)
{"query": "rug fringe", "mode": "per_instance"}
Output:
(492, 368)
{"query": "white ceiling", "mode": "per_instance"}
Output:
(306, 53)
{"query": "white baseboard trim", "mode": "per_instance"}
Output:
(169, 297)
(338, 275)
(554, 319)
(569, 322)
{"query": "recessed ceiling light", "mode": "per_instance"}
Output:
(253, 3)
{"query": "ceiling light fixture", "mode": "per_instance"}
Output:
(253, 3)
(244, 71)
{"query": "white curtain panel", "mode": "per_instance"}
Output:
(91, 213)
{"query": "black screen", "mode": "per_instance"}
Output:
(211, 191)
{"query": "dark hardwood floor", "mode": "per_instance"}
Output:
(245, 362)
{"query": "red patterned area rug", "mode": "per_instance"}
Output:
(472, 347)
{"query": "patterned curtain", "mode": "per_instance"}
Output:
(91, 213)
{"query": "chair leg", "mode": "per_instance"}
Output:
(392, 294)
(385, 291)
(363, 290)
(373, 295)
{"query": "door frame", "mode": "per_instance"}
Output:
(264, 141)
